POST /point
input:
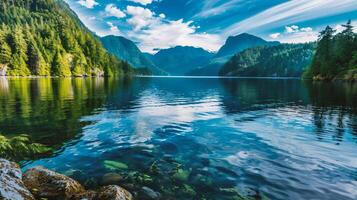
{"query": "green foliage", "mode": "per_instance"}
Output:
(335, 54)
(40, 37)
(284, 60)
(20, 147)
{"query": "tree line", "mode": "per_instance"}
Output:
(283, 60)
(335, 56)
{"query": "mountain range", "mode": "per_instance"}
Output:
(182, 60)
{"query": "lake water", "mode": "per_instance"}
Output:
(191, 138)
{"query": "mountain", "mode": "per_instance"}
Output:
(127, 50)
(236, 44)
(44, 38)
(284, 60)
(233, 45)
(181, 59)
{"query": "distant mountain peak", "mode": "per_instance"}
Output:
(238, 43)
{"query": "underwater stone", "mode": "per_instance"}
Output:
(149, 193)
(11, 185)
(111, 178)
(113, 192)
(45, 183)
(114, 165)
(181, 175)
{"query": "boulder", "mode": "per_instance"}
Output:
(87, 195)
(44, 183)
(11, 185)
(113, 192)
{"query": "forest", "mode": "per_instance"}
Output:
(336, 55)
(45, 37)
(284, 60)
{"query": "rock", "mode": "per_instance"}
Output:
(111, 178)
(45, 183)
(11, 185)
(88, 195)
(113, 192)
(148, 193)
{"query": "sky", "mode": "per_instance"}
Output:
(160, 24)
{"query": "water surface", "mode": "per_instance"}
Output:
(190, 138)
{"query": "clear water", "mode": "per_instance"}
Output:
(190, 138)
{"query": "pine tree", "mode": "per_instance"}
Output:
(5, 53)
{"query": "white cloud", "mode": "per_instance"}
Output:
(162, 15)
(113, 11)
(274, 35)
(161, 35)
(292, 11)
(88, 3)
(143, 2)
(141, 17)
(295, 34)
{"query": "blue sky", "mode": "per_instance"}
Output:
(157, 24)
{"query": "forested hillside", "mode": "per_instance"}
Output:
(232, 46)
(284, 60)
(127, 50)
(336, 55)
(44, 37)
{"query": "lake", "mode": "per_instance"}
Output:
(192, 138)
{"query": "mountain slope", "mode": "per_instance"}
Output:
(233, 45)
(236, 44)
(181, 59)
(126, 50)
(285, 60)
(45, 37)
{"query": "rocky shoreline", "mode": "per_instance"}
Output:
(41, 183)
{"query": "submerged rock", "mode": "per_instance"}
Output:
(11, 185)
(45, 183)
(113, 192)
(111, 178)
(114, 165)
(149, 193)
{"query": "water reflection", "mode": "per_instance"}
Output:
(193, 138)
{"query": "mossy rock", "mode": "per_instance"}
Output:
(181, 175)
(114, 165)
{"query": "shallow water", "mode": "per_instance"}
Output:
(191, 138)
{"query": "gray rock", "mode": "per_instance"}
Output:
(149, 193)
(11, 185)
(44, 183)
(113, 192)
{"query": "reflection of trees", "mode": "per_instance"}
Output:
(337, 103)
(49, 109)
(243, 94)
